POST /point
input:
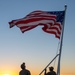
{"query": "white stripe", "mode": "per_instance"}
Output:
(42, 14)
(53, 30)
(36, 23)
(48, 25)
(37, 18)
(58, 27)
(25, 28)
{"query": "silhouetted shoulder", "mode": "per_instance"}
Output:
(51, 73)
(28, 72)
(24, 72)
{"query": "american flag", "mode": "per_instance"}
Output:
(52, 22)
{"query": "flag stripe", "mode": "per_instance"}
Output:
(35, 23)
(24, 29)
(51, 22)
(32, 20)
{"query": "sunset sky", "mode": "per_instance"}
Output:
(35, 47)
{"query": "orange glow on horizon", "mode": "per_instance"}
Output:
(5, 74)
(8, 73)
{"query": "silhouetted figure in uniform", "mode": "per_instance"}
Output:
(51, 71)
(24, 71)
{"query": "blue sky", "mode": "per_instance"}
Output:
(35, 47)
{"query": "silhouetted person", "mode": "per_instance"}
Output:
(51, 71)
(24, 71)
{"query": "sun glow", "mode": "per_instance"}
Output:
(10, 73)
(6, 74)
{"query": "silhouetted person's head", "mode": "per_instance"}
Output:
(23, 66)
(51, 68)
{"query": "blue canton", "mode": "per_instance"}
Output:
(59, 14)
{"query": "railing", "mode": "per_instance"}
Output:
(48, 64)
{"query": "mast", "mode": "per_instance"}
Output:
(60, 50)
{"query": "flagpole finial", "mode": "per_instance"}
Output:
(65, 6)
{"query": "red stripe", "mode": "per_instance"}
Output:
(27, 29)
(37, 16)
(32, 20)
(55, 28)
(52, 32)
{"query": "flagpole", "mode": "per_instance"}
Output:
(60, 50)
